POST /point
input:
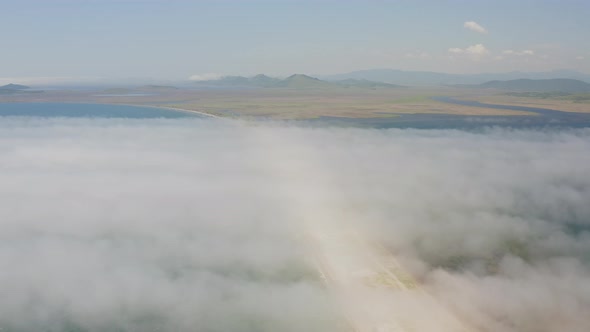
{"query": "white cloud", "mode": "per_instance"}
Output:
(478, 49)
(198, 225)
(518, 53)
(475, 51)
(580, 57)
(205, 77)
(473, 26)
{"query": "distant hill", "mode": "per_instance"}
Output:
(362, 83)
(427, 78)
(14, 87)
(549, 85)
(264, 81)
(394, 76)
(229, 80)
(241, 81)
(296, 81)
(158, 87)
(300, 81)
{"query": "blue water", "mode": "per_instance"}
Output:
(545, 118)
(90, 111)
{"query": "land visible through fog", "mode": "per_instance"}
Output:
(306, 103)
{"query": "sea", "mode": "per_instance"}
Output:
(78, 110)
(544, 118)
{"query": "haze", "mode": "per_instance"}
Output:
(191, 225)
(318, 166)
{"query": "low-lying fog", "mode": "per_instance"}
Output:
(197, 225)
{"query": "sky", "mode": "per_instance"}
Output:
(179, 39)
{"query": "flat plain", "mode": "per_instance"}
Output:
(284, 103)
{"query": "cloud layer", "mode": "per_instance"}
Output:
(476, 51)
(196, 224)
(518, 53)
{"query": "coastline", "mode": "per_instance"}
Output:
(177, 109)
(172, 109)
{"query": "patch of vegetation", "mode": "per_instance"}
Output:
(510, 247)
(542, 95)
(413, 99)
(579, 98)
(566, 96)
(546, 85)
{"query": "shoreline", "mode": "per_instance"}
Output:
(172, 109)
(116, 104)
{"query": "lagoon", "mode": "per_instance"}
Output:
(81, 110)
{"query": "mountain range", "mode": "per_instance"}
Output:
(548, 85)
(296, 81)
(427, 78)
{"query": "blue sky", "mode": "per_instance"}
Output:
(177, 39)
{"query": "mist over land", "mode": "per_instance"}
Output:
(115, 224)
(294, 165)
(202, 210)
